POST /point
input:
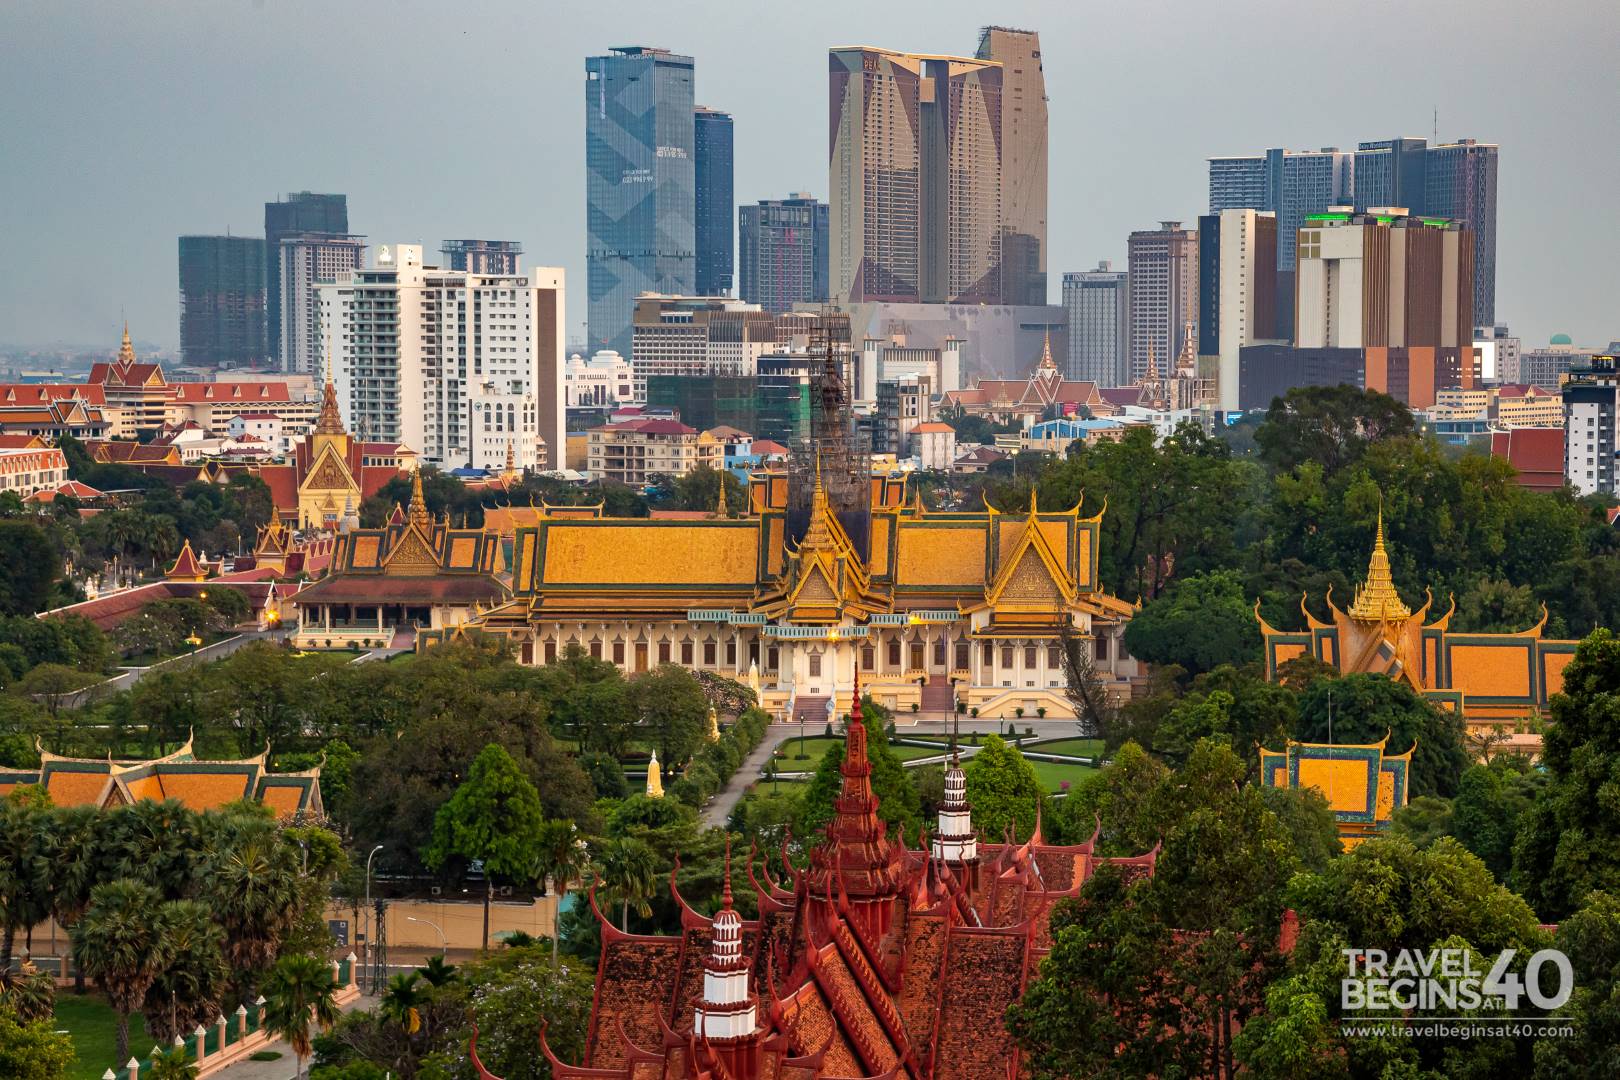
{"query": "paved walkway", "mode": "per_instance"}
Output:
(718, 812)
(284, 1067)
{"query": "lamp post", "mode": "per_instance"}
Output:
(444, 946)
(366, 952)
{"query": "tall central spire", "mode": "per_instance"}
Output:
(330, 421)
(1377, 600)
(418, 514)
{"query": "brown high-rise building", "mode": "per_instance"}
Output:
(1163, 266)
(1023, 160)
(915, 165)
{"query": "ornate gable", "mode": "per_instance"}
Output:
(413, 554)
(329, 474)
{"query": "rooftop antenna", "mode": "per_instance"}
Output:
(1437, 123)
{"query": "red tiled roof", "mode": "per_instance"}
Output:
(193, 393)
(766, 448)
(1120, 396)
(651, 427)
(21, 442)
(283, 484)
(42, 393)
(1536, 453)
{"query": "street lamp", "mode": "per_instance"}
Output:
(444, 946)
(367, 950)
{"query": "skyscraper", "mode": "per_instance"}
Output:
(1237, 292)
(714, 204)
(915, 167)
(301, 212)
(782, 252)
(308, 261)
(1237, 183)
(221, 300)
(1391, 172)
(1163, 268)
(1460, 184)
(481, 256)
(1023, 160)
(1097, 303)
(640, 185)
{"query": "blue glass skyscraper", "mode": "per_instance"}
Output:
(640, 189)
(716, 240)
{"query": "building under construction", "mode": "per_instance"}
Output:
(222, 301)
(832, 447)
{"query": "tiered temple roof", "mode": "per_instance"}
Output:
(876, 961)
(200, 785)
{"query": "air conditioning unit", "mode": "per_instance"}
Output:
(505, 890)
(438, 890)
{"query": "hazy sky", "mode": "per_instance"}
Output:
(126, 124)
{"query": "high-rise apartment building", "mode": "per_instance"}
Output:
(1237, 293)
(458, 366)
(481, 256)
(915, 169)
(1398, 287)
(1237, 183)
(1097, 303)
(1391, 172)
(302, 212)
(1023, 160)
(1289, 183)
(1460, 184)
(1163, 296)
(782, 252)
(714, 206)
(697, 335)
(221, 300)
(1591, 403)
(640, 186)
(309, 261)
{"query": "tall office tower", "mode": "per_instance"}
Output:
(640, 186)
(1023, 160)
(915, 165)
(221, 300)
(307, 262)
(456, 365)
(1460, 184)
(1390, 172)
(714, 206)
(1237, 183)
(300, 213)
(1591, 451)
(782, 252)
(1237, 292)
(1097, 304)
(1398, 287)
(481, 256)
(1163, 268)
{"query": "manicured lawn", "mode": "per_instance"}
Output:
(1080, 747)
(786, 788)
(93, 1026)
(817, 745)
(1052, 775)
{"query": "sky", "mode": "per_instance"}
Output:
(125, 125)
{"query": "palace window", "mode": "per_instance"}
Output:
(916, 655)
(686, 653)
(731, 654)
(596, 649)
(988, 659)
(868, 657)
(961, 655)
(771, 658)
(939, 652)
(1101, 648)
(1054, 656)
(815, 665)
(894, 655)
(551, 652)
(663, 652)
(708, 654)
(618, 653)
(1029, 656)
(1006, 656)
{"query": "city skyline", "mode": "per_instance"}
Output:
(117, 169)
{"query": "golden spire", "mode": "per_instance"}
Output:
(818, 535)
(720, 509)
(418, 514)
(330, 422)
(1377, 600)
(655, 784)
(126, 351)
(713, 734)
(1047, 363)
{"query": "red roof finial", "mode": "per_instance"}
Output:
(725, 890)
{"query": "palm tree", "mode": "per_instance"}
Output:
(28, 992)
(402, 1002)
(630, 874)
(25, 870)
(188, 993)
(436, 972)
(77, 863)
(298, 997)
(154, 843)
(253, 890)
(173, 1065)
(561, 856)
(120, 944)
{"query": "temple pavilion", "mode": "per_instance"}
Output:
(1500, 683)
(876, 960)
(931, 608)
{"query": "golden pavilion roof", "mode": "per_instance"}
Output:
(1376, 600)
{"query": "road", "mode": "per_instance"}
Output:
(130, 676)
(284, 1067)
(719, 809)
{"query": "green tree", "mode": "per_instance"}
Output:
(171, 1065)
(188, 992)
(1003, 790)
(560, 858)
(629, 876)
(252, 883)
(29, 993)
(436, 971)
(29, 569)
(402, 1002)
(1569, 842)
(33, 1050)
(1199, 622)
(673, 710)
(299, 997)
(1367, 708)
(122, 946)
(1496, 607)
(1490, 803)
(1423, 821)
(1330, 425)
(26, 864)
(898, 803)
(1590, 937)
(495, 817)
(54, 685)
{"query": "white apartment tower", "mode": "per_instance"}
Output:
(458, 366)
(309, 261)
